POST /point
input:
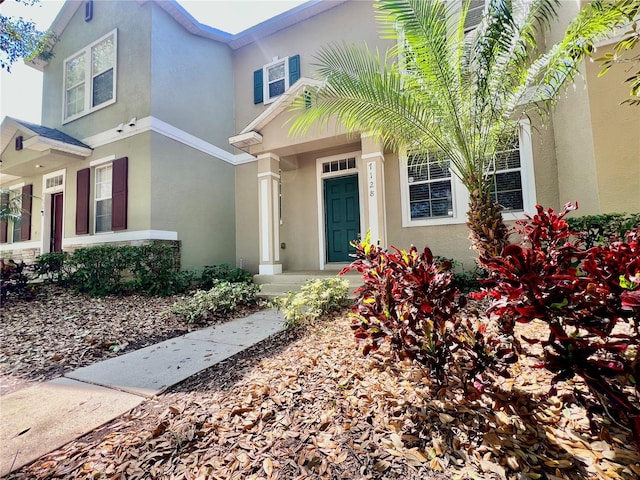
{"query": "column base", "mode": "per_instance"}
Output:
(270, 269)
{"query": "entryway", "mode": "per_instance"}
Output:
(342, 217)
(56, 222)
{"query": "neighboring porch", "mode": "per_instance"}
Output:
(277, 285)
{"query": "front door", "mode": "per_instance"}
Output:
(56, 222)
(342, 216)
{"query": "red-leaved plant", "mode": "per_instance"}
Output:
(408, 300)
(581, 295)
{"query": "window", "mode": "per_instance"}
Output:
(17, 224)
(474, 15)
(507, 177)
(103, 198)
(431, 195)
(90, 79)
(430, 187)
(275, 78)
(339, 165)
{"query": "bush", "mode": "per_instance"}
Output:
(222, 298)
(149, 269)
(602, 229)
(582, 295)
(315, 298)
(54, 266)
(409, 300)
(14, 279)
(224, 273)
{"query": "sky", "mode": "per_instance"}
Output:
(21, 90)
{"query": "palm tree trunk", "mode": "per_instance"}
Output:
(488, 233)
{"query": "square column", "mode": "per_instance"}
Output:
(374, 207)
(269, 213)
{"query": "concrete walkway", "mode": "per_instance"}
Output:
(39, 419)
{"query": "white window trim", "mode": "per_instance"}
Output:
(461, 196)
(320, 177)
(265, 79)
(96, 199)
(57, 188)
(88, 91)
(17, 186)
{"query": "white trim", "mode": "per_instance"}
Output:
(372, 200)
(265, 79)
(40, 144)
(320, 178)
(6, 247)
(100, 161)
(270, 269)
(57, 188)
(120, 237)
(155, 125)
(264, 217)
(461, 196)
(88, 78)
(367, 156)
(275, 219)
(280, 104)
(268, 174)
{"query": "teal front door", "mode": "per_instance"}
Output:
(342, 218)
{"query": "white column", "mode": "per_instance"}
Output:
(269, 213)
(373, 162)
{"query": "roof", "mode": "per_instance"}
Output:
(42, 138)
(184, 18)
(51, 133)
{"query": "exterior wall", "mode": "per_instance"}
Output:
(191, 81)
(137, 149)
(192, 193)
(572, 125)
(304, 39)
(616, 137)
(246, 212)
(133, 97)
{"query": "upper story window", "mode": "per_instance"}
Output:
(431, 195)
(273, 79)
(90, 78)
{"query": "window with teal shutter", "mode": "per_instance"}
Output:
(275, 78)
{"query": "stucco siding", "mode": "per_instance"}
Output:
(192, 193)
(133, 23)
(352, 22)
(191, 81)
(616, 137)
(247, 244)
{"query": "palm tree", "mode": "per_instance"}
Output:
(447, 89)
(10, 206)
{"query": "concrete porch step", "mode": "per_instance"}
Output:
(272, 286)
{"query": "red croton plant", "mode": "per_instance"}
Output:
(589, 300)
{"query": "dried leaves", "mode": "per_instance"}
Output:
(315, 408)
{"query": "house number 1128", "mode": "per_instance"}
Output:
(371, 173)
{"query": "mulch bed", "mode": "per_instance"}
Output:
(307, 404)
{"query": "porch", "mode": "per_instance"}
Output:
(272, 286)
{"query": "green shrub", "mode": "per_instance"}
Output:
(222, 298)
(223, 273)
(315, 298)
(602, 229)
(100, 270)
(120, 269)
(14, 280)
(54, 266)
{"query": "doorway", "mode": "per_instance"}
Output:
(342, 217)
(56, 222)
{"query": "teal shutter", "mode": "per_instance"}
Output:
(257, 86)
(294, 69)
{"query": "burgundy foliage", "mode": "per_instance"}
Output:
(581, 295)
(408, 300)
